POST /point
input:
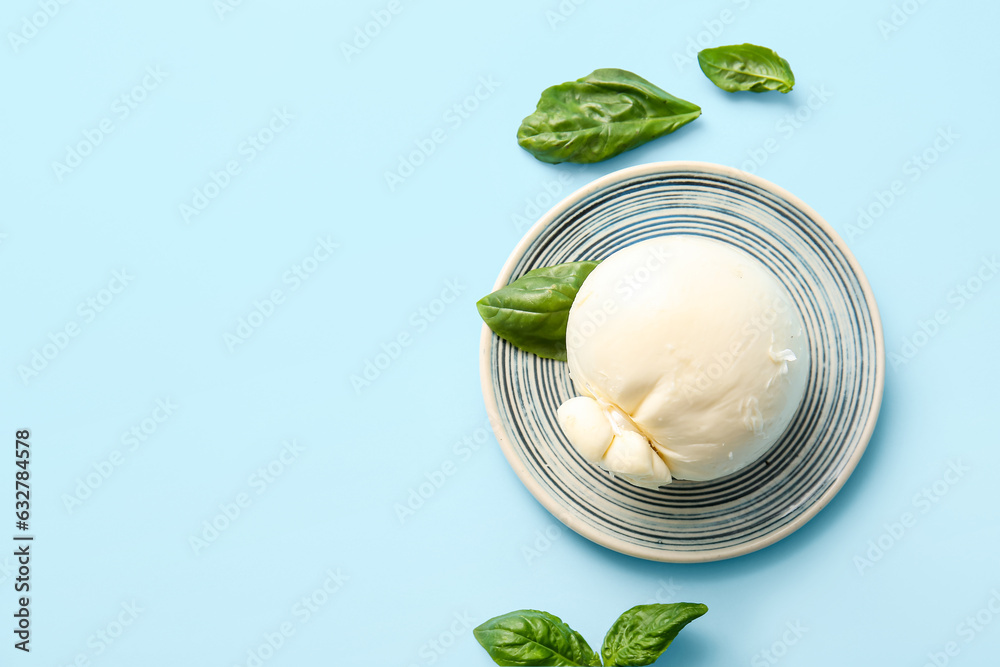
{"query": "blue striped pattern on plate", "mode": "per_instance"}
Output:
(752, 508)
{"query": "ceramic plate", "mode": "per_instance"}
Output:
(768, 500)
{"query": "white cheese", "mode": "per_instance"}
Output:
(692, 357)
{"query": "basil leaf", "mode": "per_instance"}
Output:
(529, 637)
(642, 633)
(746, 67)
(531, 312)
(599, 116)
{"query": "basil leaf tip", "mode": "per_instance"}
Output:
(746, 67)
(644, 632)
(531, 313)
(605, 113)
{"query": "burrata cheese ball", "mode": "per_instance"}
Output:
(690, 359)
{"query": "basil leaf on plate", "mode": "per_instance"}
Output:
(644, 632)
(599, 116)
(746, 67)
(531, 313)
(529, 637)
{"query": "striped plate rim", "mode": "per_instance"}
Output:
(757, 506)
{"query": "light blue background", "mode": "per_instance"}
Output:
(477, 547)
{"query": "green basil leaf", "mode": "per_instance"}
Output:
(529, 637)
(599, 116)
(531, 312)
(642, 633)
(746, 67)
